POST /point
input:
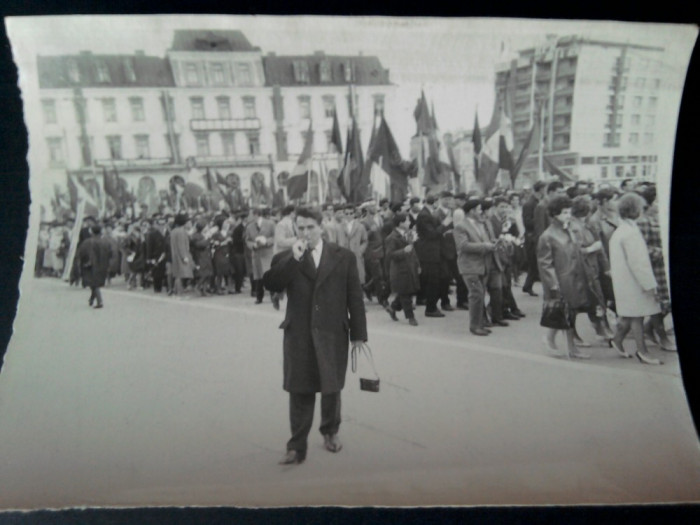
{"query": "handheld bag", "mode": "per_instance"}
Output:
(366, 384)
(556, 314)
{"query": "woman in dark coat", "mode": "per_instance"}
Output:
(201, 253)
(135, 257)
(221, 241)
(403, 268)
(561, 271)
(595, 263)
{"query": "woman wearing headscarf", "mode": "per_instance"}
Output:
(561, 272)
(633, 278)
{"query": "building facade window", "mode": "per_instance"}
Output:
(191, 74)
(652, 102)
(129, 71)
(223, 106)
(102, 73)
(228, 143)
(635, 120)
(48, 107)
(633, 171)
(197, 104)
(109, 108)
(634, 138)
(603, 172)
(55, 146)
(217, 74)
(378, 103)
(143, 150)
(324, 71)
(249, 110)
(202, 141)
(648, 138)
(656, 83)
(300, 69)
(304, 107)
(348, 71)
(619, 171)
(328, 105)
(253, 143)
(137, 111)
(244, 74)
(637, 102)
(114, 145)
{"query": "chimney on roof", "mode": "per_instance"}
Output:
(139, 53)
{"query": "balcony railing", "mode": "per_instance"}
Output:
(240, 160)
(224, 124)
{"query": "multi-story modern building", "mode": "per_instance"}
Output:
(214, 101)
(599, 101)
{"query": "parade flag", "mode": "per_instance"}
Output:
(527, 148)
(336, 139)
(424, 121)
(496, 154)
(388, 172)
(110, 182)
(298, 182)
(554, 170)
(79, 193)
(354, 181)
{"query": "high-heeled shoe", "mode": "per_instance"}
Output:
(648, 360)
(621, 351)
(552, 350)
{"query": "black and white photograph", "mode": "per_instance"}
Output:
(292, 261)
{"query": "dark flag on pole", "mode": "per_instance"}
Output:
(336, 139)
(298, 182)
(354, 183)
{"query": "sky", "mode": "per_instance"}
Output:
(453, 60)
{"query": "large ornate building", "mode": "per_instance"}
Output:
(214, 102)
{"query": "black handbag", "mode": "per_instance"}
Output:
(366, 384)
(556, 314)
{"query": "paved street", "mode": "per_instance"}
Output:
(160, 401)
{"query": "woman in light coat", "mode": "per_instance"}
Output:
(632, 278)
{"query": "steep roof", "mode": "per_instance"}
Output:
(368, 70)
(208, 40)
(122, 71)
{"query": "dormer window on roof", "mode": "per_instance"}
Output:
(348, 71)
(102, 73)
(301, 71)
(129, 72)
(324, 71)
(73, 72)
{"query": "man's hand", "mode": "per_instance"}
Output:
(356, 344)
(298, 249)
(408, 249)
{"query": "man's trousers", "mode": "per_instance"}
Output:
(301, 417)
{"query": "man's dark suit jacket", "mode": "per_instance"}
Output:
(429, 243)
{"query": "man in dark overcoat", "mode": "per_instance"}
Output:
(324, 310)
(428, 248)
(155, 252)
(95, 253)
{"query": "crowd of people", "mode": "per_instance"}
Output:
(597, 250)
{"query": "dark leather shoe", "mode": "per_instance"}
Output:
(447, 308)
(412, 321)
(518, 313)
(479, 331)
(331, 443)
(487, 330)
(293, 457)
(499, 323)
(531, 293)
(436, 313)
(511, 317)
(462, 306)
(391, 312)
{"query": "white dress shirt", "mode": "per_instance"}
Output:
(316, 253)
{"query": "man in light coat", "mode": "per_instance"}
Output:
(324, 310)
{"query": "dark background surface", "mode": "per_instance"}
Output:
(684, 253)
